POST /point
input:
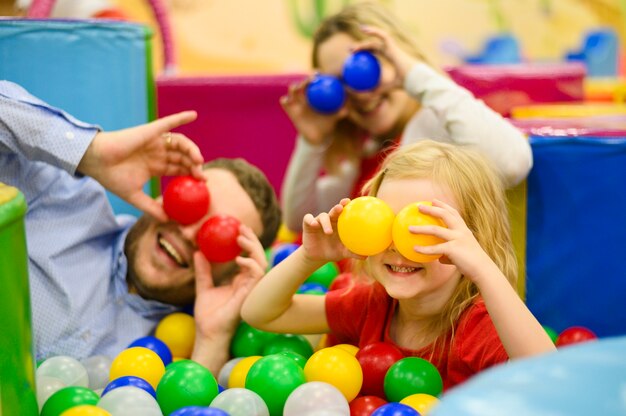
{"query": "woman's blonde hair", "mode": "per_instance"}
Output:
(480, 194)
(349, 20)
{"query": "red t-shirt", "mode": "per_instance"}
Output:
(362, 314)
(370, 165)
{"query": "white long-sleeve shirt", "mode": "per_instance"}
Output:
(448, 113)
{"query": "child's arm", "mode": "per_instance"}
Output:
(273, 305)
(520, 332)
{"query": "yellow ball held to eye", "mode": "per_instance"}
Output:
(364, 225)
(404, 240)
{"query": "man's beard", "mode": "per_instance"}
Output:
(179, 296)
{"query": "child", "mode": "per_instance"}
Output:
(460, 312)
(336, 154)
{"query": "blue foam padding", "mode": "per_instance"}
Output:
(94, 70)
(576, 223)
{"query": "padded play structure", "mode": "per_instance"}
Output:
(17, 368)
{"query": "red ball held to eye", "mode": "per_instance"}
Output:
(186, 199)
(217, 238)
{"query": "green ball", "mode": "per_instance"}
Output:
(273, 378)
(324, 275)
(186, 384)
(412, 375)
(289, 342)
(249, 341)
(551, 333)
(67, 398)
(299, 359)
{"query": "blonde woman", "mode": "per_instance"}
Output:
(336, 153)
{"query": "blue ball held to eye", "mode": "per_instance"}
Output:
(361, 71)
(325, 94)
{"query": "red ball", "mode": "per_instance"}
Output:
(186, 199)
(217, 238)
(574, 335)
(375, 360)
(365, 405)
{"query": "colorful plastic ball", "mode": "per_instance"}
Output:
(67, 398)
(404, 240)
(365, 405)
(395, 409)
(299, 359)
(338, 367)
(312, 289)
(129, 381)
(361, 71)
(65, 368)
(46, 387)
(139, 362)
(421, 402)
(352, 349)
(551, 333)
(178, 331)
(324, 275)
(575, 335)
(130, 400)
(283, 251)
(240, 402)
(186, 384)
(288, 342)
(156, 345)
(364, 225)
(325, 94)
(98, 368)
(217, 238)
(285, 235)
(273, 378)
(224, 374)
(249, 341)
(315, 396)
(240, 371)
(85, 410)
(186, 199)
(375, 360)
(199, 411)
(412, 375)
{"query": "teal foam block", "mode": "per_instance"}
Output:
(96, 70)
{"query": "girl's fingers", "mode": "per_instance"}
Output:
(446, 234)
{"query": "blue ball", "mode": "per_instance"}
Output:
(129, 381)
(325, 94)
(395, 409)
(199, 411)
(281, 252)
(312, 287)
(156, 345)
(361, 71)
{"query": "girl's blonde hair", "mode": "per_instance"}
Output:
(480, 194)
(345, 143)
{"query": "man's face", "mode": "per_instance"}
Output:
(160, 255)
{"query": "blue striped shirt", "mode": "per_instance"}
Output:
(77, 266)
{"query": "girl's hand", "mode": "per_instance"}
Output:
(460, 247)
(385, 46)
(315, 127)
(320, 239)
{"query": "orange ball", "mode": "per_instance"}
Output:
(404, 240)
(364, 225)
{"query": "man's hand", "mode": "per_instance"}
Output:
(124, 160)
(217, 308)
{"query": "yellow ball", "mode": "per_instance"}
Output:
(240, 370)
(348, 347)
(364, 225)
(85, 410)
(139, 362)
(285, 235)
(338, 367)
(178, 331)
(404, 240)
(421, 402)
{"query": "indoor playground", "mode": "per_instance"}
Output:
(554, 68)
